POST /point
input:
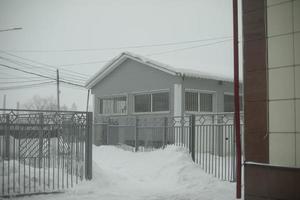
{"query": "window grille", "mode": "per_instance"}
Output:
(206, 102)
(160, 102)
(113, 105)
(191, 101)
(198, 101)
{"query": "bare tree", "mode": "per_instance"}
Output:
(41, 103)
(74, 107)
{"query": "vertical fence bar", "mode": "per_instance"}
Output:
(14, 163)
(192, 136)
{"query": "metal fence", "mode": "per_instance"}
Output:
(43, 151)
(210, 138)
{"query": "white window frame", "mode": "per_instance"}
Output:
(199, 91)
(151, 102)
(112, 96)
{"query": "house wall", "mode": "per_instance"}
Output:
(131, 78)
(134, 77)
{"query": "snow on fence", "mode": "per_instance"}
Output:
(43, 151)
(210, 138)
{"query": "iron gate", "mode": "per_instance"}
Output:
(44, 151)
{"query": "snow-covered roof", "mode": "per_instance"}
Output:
(115, 62)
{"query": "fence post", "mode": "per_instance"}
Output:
(192, 137)
(165, 131)
(136, 135)
(88, 146)
(41, 122)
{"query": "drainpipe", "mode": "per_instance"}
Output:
(236, 98)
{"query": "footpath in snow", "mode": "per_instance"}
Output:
(167, 174)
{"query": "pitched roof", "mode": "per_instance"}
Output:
(115, 62)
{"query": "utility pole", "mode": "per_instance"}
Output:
(4, 103)
(237, 99)
(18, 107)
(57, 84)
(87, 101)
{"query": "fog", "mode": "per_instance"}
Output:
(64, 34)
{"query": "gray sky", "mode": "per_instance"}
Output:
(52, 26)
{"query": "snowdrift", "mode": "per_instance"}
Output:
(162, 174)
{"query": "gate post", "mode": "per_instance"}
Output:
(192, 137)
(136, 136)
(88, 146)
(165, 131)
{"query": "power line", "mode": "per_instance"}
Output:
(18, 77)
(158, 53)
(11, 29)
(123, 47)
(52, 72)
(26, 86)
(186, 48)
(26, 65)
(84, 63)
(40, 75)
(46, 65)
(26, 81)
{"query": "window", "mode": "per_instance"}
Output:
(113, 105)
(191, 101)
(206, 102)
(160, 102)
(229, 103)
(198, 101)
(142, 103)
(156, 102)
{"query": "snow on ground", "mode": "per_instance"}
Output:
(157, 175)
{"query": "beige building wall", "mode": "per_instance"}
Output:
(283, 29)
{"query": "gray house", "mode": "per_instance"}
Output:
(132, 85)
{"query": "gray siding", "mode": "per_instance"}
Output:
(134, 77)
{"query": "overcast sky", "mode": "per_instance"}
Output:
(61, 32)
